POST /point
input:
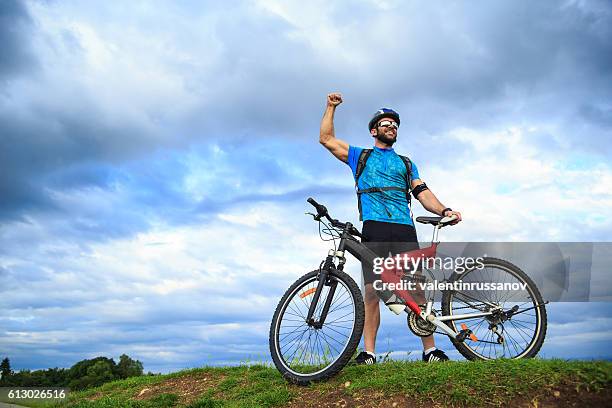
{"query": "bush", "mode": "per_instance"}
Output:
(84, 374)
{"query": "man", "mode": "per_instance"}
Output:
(385, 213)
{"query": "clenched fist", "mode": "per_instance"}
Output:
(334, 99)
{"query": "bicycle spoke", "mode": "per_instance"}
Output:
(297, 348)
(296, 340)
(521, 325)
(520, 332)
(297, 335)
(337, 299)
(340, 321)
(341, 317)
(336, 331)
(338, 326)
(513, 342)
(297, 312)
(285, 335)
(330, 339)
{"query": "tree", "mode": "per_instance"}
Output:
(87, 373)
(5, 370)
(128, 367)
(99, 373)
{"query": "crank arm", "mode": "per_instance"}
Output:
(440, 324)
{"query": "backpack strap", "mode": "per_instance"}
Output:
(361, 162)
(408, 164)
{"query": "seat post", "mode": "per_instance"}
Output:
(435, 240)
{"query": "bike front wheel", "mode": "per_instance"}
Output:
(305, 352)
(517, 326)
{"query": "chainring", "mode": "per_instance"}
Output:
(419, 326)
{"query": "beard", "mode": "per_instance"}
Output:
(386, 139)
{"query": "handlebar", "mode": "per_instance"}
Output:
(321, 210)
(323, 213)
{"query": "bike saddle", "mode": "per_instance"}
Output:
(429, 220)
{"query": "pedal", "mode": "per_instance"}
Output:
(465, 333)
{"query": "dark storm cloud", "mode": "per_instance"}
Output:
(486, 66)
(95, 202)
(46, 144)
(496, 66)
(470, 65)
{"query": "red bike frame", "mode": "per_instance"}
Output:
(394, 275)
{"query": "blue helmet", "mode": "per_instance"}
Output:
(383, 113)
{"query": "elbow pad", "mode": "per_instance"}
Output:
(419, 189)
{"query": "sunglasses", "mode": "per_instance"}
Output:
(388, 123)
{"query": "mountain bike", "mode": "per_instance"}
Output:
(318, 322)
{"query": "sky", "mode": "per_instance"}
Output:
(155, 159)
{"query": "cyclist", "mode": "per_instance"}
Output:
(383, 206)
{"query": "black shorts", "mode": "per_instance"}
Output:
(386, 238)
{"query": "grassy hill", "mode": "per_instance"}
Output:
(533, 383)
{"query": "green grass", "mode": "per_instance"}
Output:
(493, 383)
(479, 382)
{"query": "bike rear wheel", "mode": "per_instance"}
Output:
(305, 353)
(520, 317)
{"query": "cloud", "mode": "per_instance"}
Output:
(15, 26)
(564, 331)
(126, 92)
(147, 152)
(158, 292)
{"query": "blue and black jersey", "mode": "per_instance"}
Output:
(384, 168)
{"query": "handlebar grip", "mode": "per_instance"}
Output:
(321, 210)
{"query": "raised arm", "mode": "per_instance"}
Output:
(327, 136)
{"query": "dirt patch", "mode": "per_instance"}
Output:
(188, 388)
(95, 396)
(568, 397)
(340, 398)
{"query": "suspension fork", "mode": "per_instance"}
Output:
(330, 296)
(323, 277)
(328, 266)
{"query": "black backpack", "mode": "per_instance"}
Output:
(361, 163)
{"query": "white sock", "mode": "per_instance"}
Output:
(429, 350)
